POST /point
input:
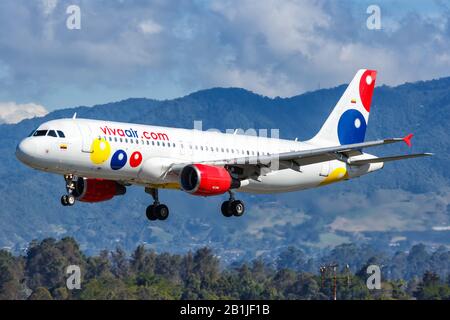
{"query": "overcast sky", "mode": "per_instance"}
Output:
(164, 49)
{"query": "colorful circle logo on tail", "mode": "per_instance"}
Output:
(118, 160)
(100, 151)
(366, 85)
(351, 127)
(135, 159)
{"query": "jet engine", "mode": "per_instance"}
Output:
(96, 190)
(205, 180)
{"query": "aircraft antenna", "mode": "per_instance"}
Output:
(74, 116)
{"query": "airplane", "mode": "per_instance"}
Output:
(100, 159)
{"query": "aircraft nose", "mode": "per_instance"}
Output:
(25, 150)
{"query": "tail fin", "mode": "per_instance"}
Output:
(348, 121)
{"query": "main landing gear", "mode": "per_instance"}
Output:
(232, 207)
(69, 199)
(156, 211)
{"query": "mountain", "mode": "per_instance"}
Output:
(405, 203)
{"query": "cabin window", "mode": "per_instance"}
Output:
(51, 133)
(40, 133)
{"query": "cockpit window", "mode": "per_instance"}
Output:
(31, 133)
(61, 134)
(40, 133)
(52, 133)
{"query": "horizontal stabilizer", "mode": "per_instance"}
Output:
(387, 159)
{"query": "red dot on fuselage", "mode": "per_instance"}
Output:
(135, 159)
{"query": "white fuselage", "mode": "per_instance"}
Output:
(89, 146)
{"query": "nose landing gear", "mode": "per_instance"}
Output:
(156, 211)
(69, 199)
(232, 207)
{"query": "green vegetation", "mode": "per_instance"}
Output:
(41, 274)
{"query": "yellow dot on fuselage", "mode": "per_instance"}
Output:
(100, 151)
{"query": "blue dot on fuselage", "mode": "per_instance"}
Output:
(351, 127)
(118, 160)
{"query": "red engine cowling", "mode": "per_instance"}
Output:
(96, 190)
(205, 180)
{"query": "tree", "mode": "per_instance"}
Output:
(292, 258)
(41, 293)
(431, 288)
(120, 263)
(143, 261)
(417, 261)
(46, 262)
(11, 275)
(98, 266)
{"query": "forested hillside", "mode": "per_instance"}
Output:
(41, 274)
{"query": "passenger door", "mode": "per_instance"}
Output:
(86, 137)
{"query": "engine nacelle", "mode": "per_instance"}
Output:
(96, 190)
(205, 180)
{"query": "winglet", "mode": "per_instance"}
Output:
(407, 139)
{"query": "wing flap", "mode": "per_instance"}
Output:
(387, 159)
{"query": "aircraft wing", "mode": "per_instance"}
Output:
(305, 157)
(295, 159)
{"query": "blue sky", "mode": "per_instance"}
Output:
(164, 49)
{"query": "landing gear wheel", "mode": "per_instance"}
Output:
(70, 200)
(64, 200)
(67, 200)
(150, 213)
(162, 211)
(226, 210)
(237, 208)
(156, 210)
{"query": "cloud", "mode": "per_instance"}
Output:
(11, 112)
(48, 6)
(441, 228)
(271, 47)
(150, 27)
